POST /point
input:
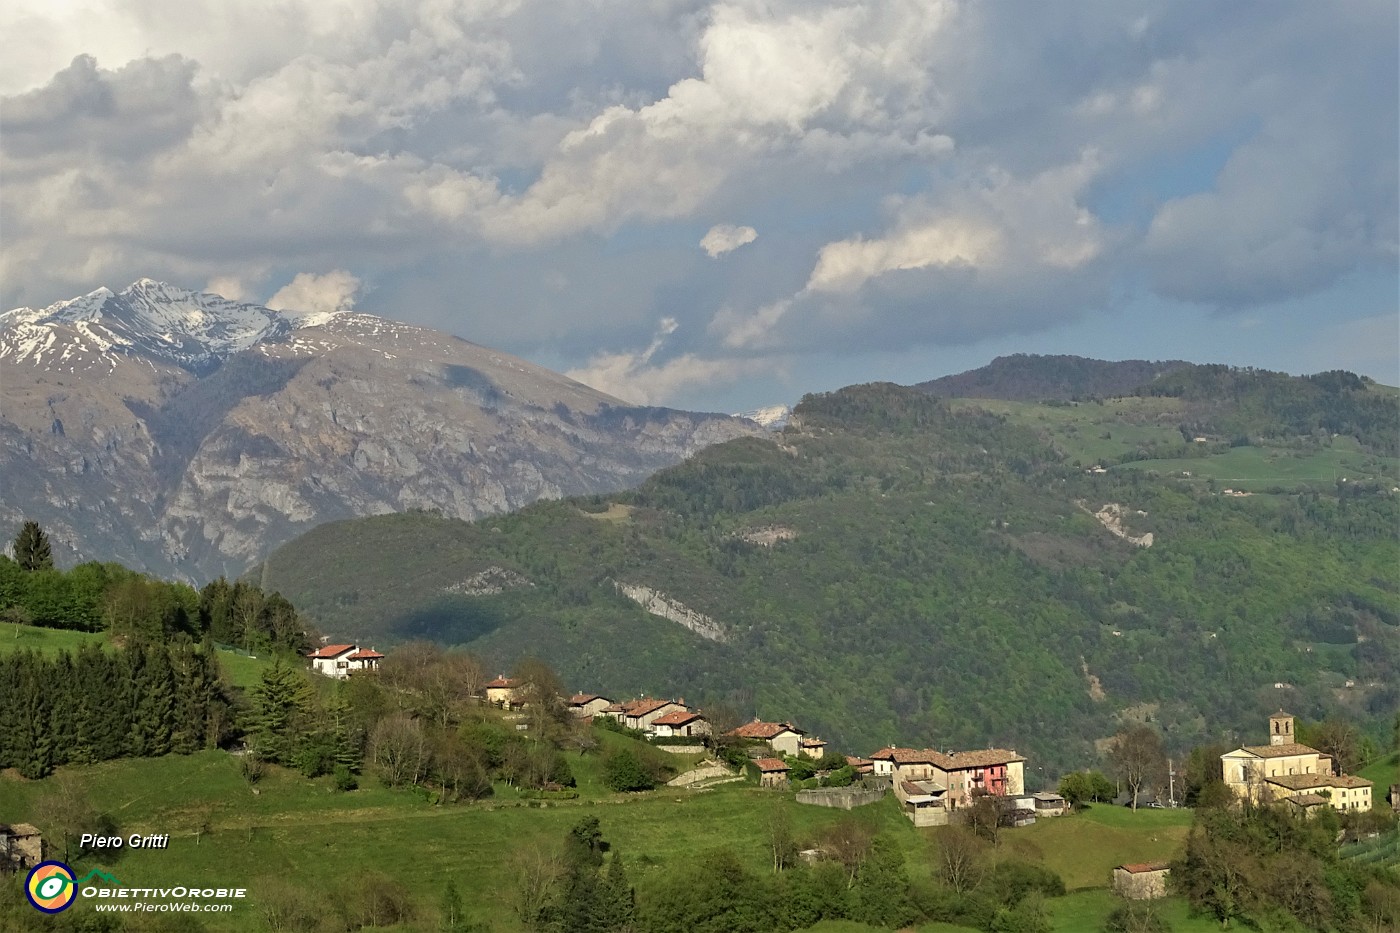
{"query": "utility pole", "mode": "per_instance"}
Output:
(1171, 783)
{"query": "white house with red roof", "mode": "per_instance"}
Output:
(680, 723)
(343, 660)
(505, 692)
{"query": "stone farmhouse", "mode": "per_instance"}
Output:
(1141, 881)
(505, 692)
(21, 847)
(588, 705)
(340, 661)
(1286, 771)
(781, 737)
(931, 784)
(772, 772)
(640, 714)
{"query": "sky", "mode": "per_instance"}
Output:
(723, 205)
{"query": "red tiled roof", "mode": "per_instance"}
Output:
(645, 707)
(679, 718)
(1280, 751)
(919, 756)
(883, 754)
(331, 651)
(503, 682)
(579, 699)
(763, 730)
(365, 655)
(1138, 868)
(811, 742)
(983, 758)
(855, 762)
(771, 764)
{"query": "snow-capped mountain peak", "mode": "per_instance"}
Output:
(194, 330)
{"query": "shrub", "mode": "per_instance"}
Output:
(345, 779)
(623, 772)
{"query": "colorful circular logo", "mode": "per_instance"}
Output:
(50, 887)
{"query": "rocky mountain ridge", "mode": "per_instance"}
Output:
(189, 435)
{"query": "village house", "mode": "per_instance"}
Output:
(781, 737)
(949, 780)
(861, 766)
(682, 724)
(21, 847)
(1048, 804)
(505, 692)
(882, 762)
(588, 705)
(341, 661)
(640, 714)
(772, 772)
(1284, 770)
(1141, 881)
(810, 746)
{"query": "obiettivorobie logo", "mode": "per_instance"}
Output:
(51, 888)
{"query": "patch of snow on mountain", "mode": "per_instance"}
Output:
(195, 330)
(773, 417)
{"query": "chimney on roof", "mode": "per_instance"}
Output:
(680, 700)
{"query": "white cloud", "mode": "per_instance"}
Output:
(633, 377)
(231, 287)
(309, 293)
(923, 171)
(725, 238)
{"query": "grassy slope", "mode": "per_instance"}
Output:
(239, 669)
(299, 832)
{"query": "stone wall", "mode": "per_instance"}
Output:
(841, 798)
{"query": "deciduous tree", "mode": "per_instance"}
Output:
(1138, 758)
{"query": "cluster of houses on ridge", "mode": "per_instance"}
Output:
(930, 784)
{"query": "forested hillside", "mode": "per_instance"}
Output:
(890, 568)
(1033, 378)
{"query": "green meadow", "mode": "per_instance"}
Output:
(241, 670)
(301, 833)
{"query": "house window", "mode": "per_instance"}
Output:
(342, 664)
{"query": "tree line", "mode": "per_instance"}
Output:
(95, 597)
(93, 705)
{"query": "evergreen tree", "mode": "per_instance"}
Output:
(279, 703)
(32, 550)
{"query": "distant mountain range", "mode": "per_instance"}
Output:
(188, 435)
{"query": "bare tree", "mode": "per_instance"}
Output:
(1137, 757)
(781, 841)
(961, 858)
(849, 840)
(399, 749)
(537, 872)
(986, 815)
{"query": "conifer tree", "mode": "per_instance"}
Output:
(279, 704)
(32, 550)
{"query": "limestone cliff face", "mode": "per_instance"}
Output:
(195, 470)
